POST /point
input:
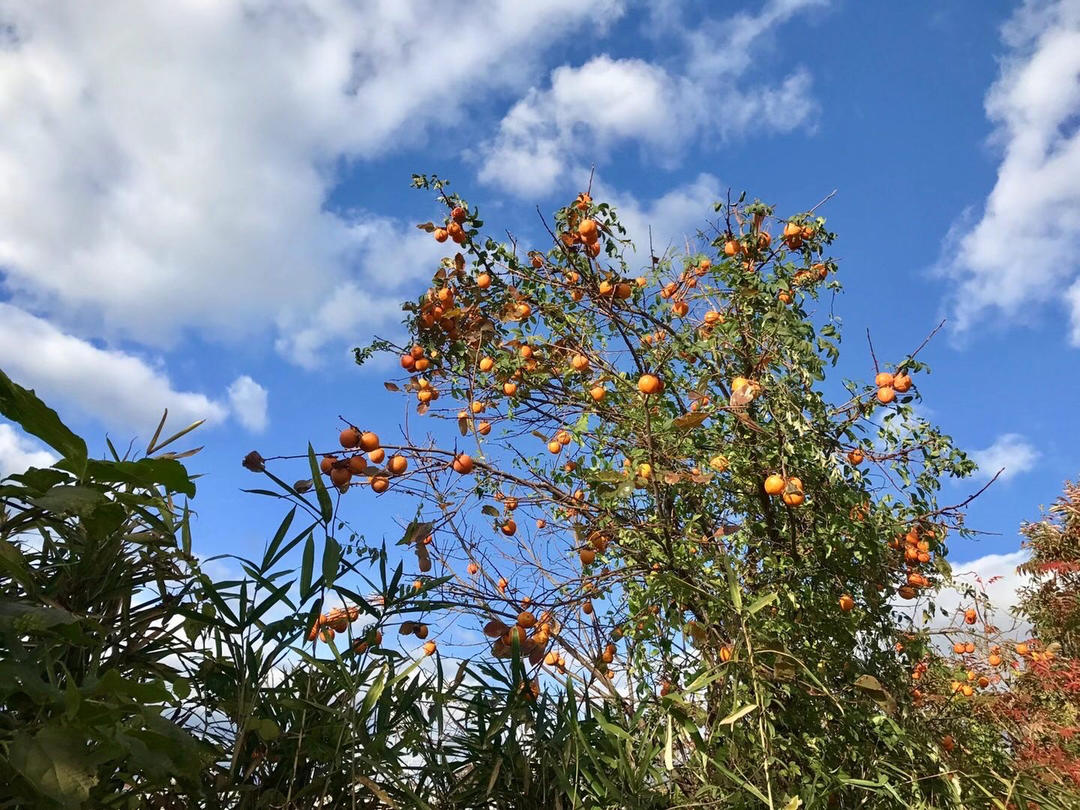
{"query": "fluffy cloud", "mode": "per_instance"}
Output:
(674, 218)
(391, 258)
(1021, 249)
(1010, 452)
(996, 576)
(18, 453)
(248, 401)
(167, 166)
(118, 388)
(588, 109)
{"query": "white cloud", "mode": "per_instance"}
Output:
(118, 388)
(248, 401)
(391, 258)
(18, 453)
(1010, 452)
(166, 166)
(1021, 250)
(591, 108)
(675, 217)
(996, 576)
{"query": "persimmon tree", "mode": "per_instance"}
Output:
(635, 478)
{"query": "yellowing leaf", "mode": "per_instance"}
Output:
(688, 421)
(738, 714)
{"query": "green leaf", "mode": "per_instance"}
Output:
(609, 476)
(57, 762)
(42, 615)
(268, 729)
(330, 559)
(147, 473)
(326, 506)
(307, 565)
(733, 585)
(76, 499)
(762, 601)
(23, 407)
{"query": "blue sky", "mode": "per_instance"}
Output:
(206, 208)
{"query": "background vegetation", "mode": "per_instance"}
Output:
(706, 572)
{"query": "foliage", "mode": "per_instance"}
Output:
(1052, 603)
(95, 564)
(1042, 707)
(706, 571)
(766, 613)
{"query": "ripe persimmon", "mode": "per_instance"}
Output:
(440, 234)
(795, 498)
(327, 464)
(408, 362)
(774, 484)
(847, 603)
(510, 388)
(429, 647)
(483, 428)
(508, 528)
(369, 441)
(349, 438)
(886, 395)
(649, 384)
(588, 230)
(902, 383)
(463, 464)
(380, 483)
(597, 392)
(340, 476)
(883, 379)
(459, 214)
(483, 281)
(397, 464)
(855, 457)
(377, 455)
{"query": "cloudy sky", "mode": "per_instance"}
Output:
(204, 204)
